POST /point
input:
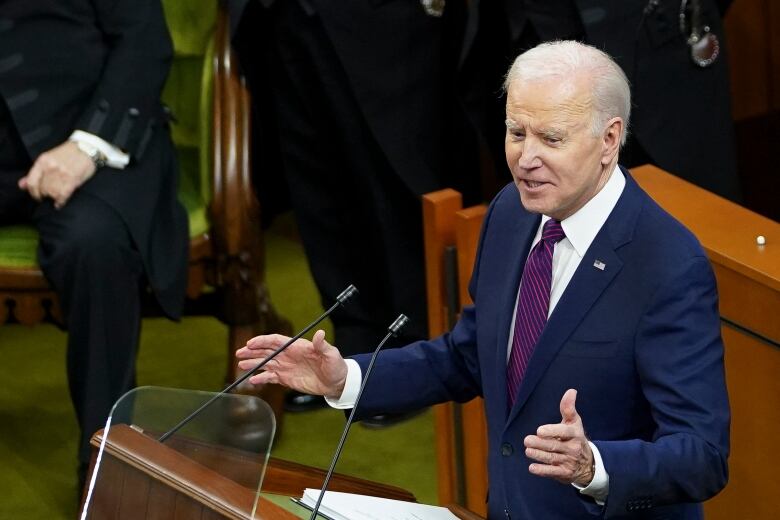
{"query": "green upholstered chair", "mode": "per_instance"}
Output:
(211, 132)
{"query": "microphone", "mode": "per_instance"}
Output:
(393, 329)
(341, 299)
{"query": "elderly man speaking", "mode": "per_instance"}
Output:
(594, 336)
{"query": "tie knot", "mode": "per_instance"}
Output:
(553, 231)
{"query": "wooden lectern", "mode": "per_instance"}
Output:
(142, 478)
(748, 277)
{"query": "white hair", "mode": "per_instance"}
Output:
(611, 94)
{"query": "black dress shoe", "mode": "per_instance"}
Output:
(298, 402)
(385, 420)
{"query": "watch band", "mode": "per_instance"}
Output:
(97, 157)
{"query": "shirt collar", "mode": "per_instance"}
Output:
(583, 226)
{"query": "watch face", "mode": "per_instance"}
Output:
(95, 155)
(99, 159)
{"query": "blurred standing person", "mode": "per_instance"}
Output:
(359, 89)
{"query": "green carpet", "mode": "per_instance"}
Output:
(38, 429)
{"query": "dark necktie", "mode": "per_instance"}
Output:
(532, 305)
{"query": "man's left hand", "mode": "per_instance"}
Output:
(57, 173)
(561, 450)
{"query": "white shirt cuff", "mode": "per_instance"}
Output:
(351, 387)
(599, 486)
(115, 158)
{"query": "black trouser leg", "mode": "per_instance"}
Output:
(16, 205)
(88, 256)
(358, 221)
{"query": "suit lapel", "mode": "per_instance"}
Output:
(583, 290)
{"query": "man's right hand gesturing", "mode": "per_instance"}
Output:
(311, 367)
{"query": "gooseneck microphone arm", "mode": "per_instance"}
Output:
(342, 298)
(396, 326)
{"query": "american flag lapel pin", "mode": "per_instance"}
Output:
(598, 264)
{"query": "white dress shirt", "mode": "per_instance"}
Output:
(115, 158)
(580, 228)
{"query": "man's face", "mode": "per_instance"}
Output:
(556, 162)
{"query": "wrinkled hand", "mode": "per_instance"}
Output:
(57, 173)
(312, 367)
(562, 450)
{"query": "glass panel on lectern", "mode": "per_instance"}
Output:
(211, 467)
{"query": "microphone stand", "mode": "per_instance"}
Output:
(396, 326)
(342, 298)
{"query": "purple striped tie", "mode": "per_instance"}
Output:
(532, 305)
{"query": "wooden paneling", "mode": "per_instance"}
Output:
(461, 434)
(748, 303)
(752, 369)
(135, 495)
(750, 57)
(774, 44)
(439, 232)
(186, 509)
(753, 36)
(164, 499)
(753, 41)
(468, 223)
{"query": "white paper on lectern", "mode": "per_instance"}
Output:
(347, 506)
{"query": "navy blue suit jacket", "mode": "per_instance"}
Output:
(640, 341)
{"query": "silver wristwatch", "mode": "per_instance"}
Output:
(97, 157)
(433, 8)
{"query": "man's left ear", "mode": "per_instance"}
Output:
(611, 143)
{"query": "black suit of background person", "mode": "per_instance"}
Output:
(681, 118)
(97, 66)
(363, 101)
